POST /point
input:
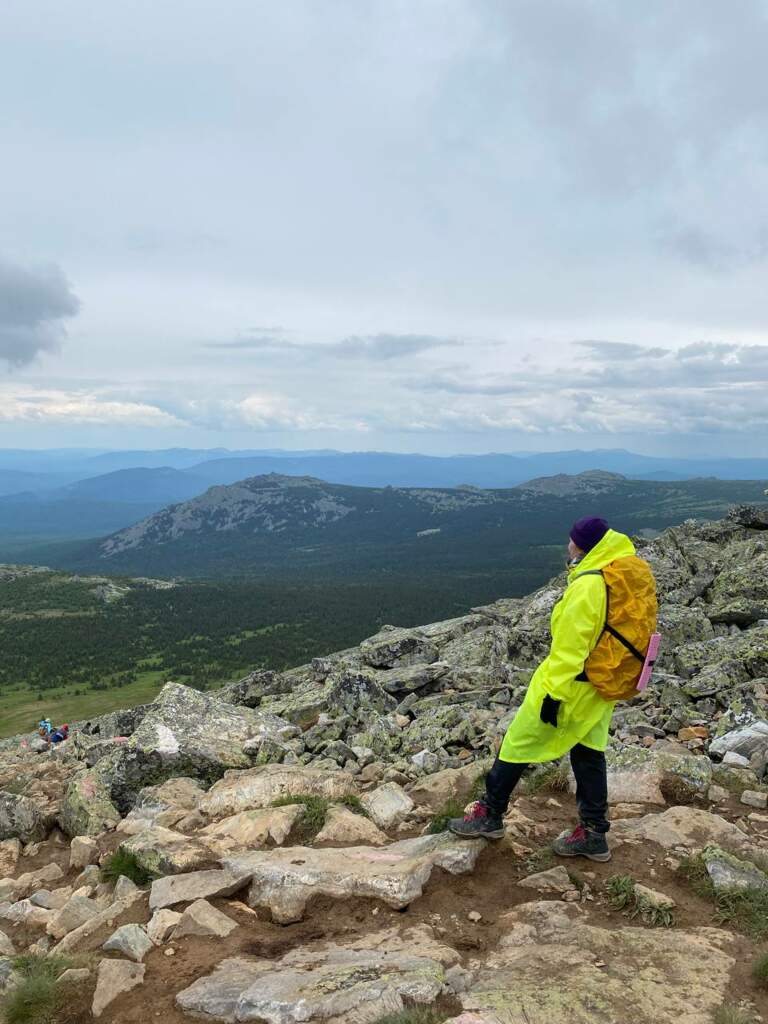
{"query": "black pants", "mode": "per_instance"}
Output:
(591, 786)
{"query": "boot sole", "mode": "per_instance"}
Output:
(498, 834)
(601, 858)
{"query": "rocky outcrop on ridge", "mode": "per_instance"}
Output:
(211, 798)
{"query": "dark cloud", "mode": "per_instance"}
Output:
(34, 302)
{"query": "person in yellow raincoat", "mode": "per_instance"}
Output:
(562, 713)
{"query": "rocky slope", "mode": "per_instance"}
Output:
(283, 825)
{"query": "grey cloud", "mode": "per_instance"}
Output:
(378, 347)
(34, 303)
(621, 350)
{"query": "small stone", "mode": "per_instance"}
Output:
(125, 889)
(474, 916)
(202, 919)
(734, 760)
(74, 976)
(115, 978)
(717, 794)
(572, 896)
(83, 850)
(553, 880)
(75, 912)
(170, 951)
(130, 939)
(402, 721)
(693, 732)
(388, 805)
(653, 898)
(162, 924)
(753, 798)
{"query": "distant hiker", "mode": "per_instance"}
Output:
(45, 727)
(601, 629)
(60, 734)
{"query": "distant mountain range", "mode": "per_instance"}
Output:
(77, 494)
(284, 525)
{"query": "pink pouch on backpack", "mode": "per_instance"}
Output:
(650, 660)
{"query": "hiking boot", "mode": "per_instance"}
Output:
(582, 842)
(478, 822)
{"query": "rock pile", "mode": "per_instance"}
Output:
(320, 784)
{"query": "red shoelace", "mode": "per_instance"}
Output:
(479, 810)
(578, 835)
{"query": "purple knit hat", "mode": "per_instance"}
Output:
(588, 532)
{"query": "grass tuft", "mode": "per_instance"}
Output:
(36, 998)
(760, 971)
(413, 1015)
(123, 862)
(440, 821)
(622, 895)
(550, 778)
(313, 816)
(354, 804)
(745, 909)
(730, 1014)
(540, 860)
(621, 891)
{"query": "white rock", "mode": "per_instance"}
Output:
(115, 977)
(388, 805)
(125, 888)
(257, 788)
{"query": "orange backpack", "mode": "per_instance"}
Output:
(615, 662)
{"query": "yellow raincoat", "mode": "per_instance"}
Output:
(577, 622)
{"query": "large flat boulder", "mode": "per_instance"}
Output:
(197, 885)
(260, 787)
(284, 880)
(552, 964)
(253, 829)
(187, 733)
(354, 982)
(688, 827)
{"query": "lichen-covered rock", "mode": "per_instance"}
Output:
(392, 647)
(257, 788)
(184, 733)
(22, 818)
(749, 740)
(161, 851)
(87, 809)
(656, 976)
(728, 872)
(740, 592)
(337, 983)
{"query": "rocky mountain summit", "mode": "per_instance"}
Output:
(248, 855)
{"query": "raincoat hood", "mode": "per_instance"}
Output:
(612, 546)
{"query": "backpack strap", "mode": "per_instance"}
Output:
(608, 628)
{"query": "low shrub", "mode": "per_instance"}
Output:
(440, 821)
(313, 816)
(37, 998)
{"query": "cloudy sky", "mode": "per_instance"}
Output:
(436, 225)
